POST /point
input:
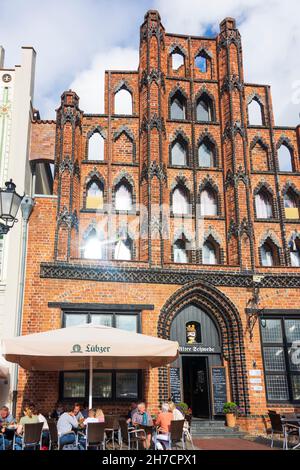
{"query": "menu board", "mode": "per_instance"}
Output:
(218, 387)
(175, 384)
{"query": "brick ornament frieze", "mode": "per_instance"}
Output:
(163, 276)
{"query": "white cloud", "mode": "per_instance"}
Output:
(89, 84)
(271, 41)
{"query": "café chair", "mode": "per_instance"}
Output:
(95, 435)
(53, 435)
(131, 436)
(112, 427)
(32, 436)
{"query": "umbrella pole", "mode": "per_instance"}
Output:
(91, 383)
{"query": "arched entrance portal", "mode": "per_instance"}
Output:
(200, 350)
(225, 331)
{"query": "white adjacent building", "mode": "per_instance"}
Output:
(16, 114)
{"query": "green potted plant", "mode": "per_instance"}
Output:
(230, 410)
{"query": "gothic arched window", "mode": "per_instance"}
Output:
(123, 196)
(96, 147)
(208, 202)
(94, 195)
(123, 102)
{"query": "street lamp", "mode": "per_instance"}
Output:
(10, 202)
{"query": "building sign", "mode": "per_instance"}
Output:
(218, 389)
(89, 348)
(175, 384)
(198, 348)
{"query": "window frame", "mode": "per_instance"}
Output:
(113, 398)
(285, 345)
(89, 313)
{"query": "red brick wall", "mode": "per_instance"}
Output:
(236, 203)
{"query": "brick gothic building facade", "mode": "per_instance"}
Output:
(232, 269)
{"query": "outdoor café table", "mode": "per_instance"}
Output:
(294, 422)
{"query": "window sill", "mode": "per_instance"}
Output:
(94, 162)
(291, 221)
(272, 221)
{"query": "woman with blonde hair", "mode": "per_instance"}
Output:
(177, 415)
(100, 415)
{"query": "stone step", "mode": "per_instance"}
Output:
(212, 428)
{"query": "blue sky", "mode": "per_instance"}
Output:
(76, 40)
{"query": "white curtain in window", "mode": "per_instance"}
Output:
(263, 206)
(180, 201)
(203, 111)
(123, 102)
(178, 154)
(266, 256)
(123, 198)
(180, 252)
(289, 201)
(123, 250)
(96, 147)
(177, 109)
(295, 258)
(208, 203)
(205, 155)
(209, 254)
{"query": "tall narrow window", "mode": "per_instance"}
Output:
(180, 201)
(123, 249)
(291, 205)
(209, 255)
(94, 248)
(96, 147)
(263, 205)
(295, 252)
(178, 106)
(204, 109)
(123, 197)
(179, 152)
(206, 154)
(94, 195)
(269, 254)
(201, 62)
(285, 159)
(180, 251)
(255, 113)
(177, 60)
(123, 102)
(208, 203)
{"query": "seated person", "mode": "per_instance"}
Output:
(100, 415)
(29, 417)
(91, 417)
(177, 415)
(77, 413)
(163, 423)
(58, 410)
(143, 418)
(85, 410)
(6, 420)
(65, 425)
(133, 409)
